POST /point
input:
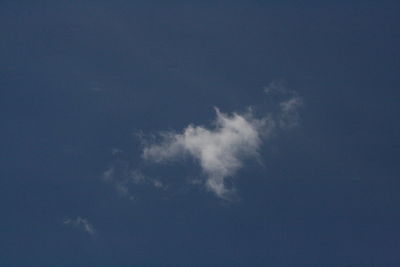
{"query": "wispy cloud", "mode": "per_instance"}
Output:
(221, 150)
(96, 86)
(81, 223)
(116, 151)
(123, 175)
(276, 87)
(289, 116)
(289, 105)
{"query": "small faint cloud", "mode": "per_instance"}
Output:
(158, 184)
(276, 87)
(96, 86)
(137, 177)
(108, 174)
(289, 105)
(124, 176)
(81, 223)
(117, 176)
(290, 116)
(116, 151)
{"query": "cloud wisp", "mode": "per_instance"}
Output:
(220, 149)
(123, 175)
(289, 107)
(289, 116)
(81, 223)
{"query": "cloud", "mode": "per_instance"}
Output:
(82, 224)
(116, 151)
(290, 116)
(289, 106)
(276, 87)
(220, 151)
(123, 175)
(96, 86)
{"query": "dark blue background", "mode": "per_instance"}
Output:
(80, 78)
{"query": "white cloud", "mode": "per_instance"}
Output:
(220, 151)
(82, 224)
(289, 107)
(276, 87)
(290, 116)
(123, 176)
(116, 151)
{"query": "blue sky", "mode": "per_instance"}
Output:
(226, 132)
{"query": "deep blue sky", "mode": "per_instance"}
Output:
(79, 79)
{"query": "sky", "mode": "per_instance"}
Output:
(199, 132)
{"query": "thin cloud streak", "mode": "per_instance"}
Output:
(81, 223)
(123, 175)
